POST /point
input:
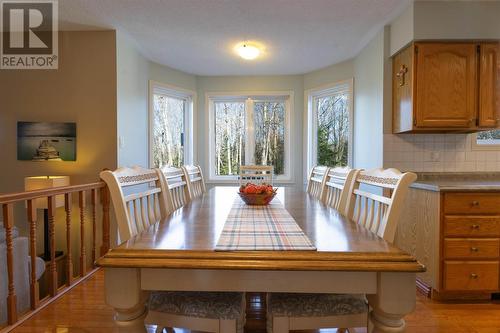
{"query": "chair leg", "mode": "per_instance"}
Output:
(280, 325)
(159, 329)
(227, 326)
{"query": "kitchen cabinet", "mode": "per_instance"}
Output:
(441, 87)
(456, 235)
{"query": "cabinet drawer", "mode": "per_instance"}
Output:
(472, 226)
(467, 275)
(471, 248)
(471, 203)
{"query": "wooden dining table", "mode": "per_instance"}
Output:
(178, 254)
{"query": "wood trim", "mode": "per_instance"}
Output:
(21, 196)
(7, 202)
(52, 241)
(83, 254)
(69, 256)
(34, 294)
(93, 202)
(8, 223)
(277, 265)
(105, 221)
(423, 288)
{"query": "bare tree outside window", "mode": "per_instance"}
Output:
(229, 137)
(333, 130)
(269, 123)
(488, 138)
(168, 131)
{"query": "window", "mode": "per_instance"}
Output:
(229, 137)
(170, 126)
(488, 140)
(329, 115)
(249, 130)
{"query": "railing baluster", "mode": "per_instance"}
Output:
(51, 204)
(69, 256)
(8, 222)
(32, 219)
(105, 220)
(83, 255)
(93, 201)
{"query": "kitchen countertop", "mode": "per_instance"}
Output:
(444, 182)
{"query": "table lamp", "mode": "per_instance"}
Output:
(45, 182)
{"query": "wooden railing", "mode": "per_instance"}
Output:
(7, 202)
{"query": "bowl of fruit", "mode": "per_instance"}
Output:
(260, 195)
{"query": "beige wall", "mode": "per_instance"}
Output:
(331, 74)
(369, 104)
(401, 30)
(457, 19)
(132, 103)
(424, 20)
(82, 90)
(134, 72)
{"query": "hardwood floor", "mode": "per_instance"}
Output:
(82, 310)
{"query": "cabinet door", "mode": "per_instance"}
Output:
(446, 85)
(489, 85)
(402, 90)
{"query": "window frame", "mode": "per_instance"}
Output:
(479, 147)
(249, 97)
(311, 121)
(189, 96)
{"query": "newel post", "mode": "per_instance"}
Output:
(105, 220)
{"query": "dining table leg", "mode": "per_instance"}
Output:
(395, 298)
(124, 294)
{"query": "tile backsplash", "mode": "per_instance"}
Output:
(437, 153)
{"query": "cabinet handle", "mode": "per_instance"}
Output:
(473, 276)
(475, 226)
(475, 203)
(474, 249)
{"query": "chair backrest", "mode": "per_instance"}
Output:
(177, 185)
(316, 180)
(256, 174)
(337, 186)
(145, 203)
(195, 180)
(379, 212)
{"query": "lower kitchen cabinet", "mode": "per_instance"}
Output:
(456, 235)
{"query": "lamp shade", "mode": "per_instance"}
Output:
(45, 182)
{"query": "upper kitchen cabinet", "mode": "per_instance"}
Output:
(440, 87)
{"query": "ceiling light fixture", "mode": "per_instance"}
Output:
(247, 51)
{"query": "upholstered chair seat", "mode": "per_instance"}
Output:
(210, 305)
(315, 305)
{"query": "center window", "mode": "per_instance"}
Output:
(248, 130)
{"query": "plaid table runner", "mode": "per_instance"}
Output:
(268, 227)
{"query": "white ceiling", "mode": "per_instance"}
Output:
(197, 36)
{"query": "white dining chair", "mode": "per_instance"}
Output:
(257, 174)
(138, 196)
(195, 180)
(337, 186)
(375, 201)
(140, 199)
(177, 185)
(377, 198)
(316, 180)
